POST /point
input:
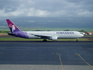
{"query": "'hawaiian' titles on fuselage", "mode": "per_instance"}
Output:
(64, 32)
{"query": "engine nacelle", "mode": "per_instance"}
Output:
(54, 38)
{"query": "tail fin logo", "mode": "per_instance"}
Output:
(12, 26)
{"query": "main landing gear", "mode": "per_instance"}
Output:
(77, 40)
(44, 40)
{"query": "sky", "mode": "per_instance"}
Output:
(48, 13)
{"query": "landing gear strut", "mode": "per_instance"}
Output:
(77, 39)
(44, 40)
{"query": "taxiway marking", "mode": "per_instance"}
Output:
(59, 55)
(84, 60)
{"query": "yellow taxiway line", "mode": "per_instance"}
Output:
(84, 60)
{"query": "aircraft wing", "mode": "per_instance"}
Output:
(42, 36)
(46, 36)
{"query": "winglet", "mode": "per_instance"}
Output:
(12, 26)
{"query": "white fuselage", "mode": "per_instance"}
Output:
(51, 34)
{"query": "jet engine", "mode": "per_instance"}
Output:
(54, 38)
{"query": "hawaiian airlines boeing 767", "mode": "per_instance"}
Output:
(52, 35)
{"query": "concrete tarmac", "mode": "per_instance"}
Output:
(46, 55)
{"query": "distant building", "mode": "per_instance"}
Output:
(0, 34)
(89, 33)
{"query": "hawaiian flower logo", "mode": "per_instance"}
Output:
(10, 25)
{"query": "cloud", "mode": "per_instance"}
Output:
(48, 12)
(23, 12)
(46, 8)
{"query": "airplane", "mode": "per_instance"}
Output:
(52, 35)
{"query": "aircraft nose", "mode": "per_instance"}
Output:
(82, 35)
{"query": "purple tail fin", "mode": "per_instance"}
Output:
(13, 28)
